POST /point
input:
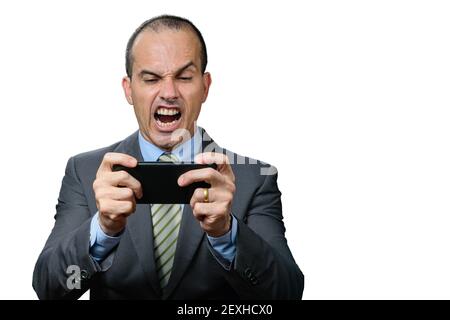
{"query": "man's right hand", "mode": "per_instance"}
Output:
(115, 192)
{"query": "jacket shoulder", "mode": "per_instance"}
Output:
(85, 165)
(96, 156)
(250, 167)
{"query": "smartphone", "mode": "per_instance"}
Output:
(159, 180)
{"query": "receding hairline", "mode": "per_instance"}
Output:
(162, 25)
(164, 28)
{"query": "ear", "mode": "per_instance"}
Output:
(206, 84)
(126, 85)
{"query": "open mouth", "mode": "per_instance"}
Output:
(167, 117)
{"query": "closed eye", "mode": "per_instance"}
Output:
(150, 80)
(185, 78)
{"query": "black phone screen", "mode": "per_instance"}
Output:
(159, 181)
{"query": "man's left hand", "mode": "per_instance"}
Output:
(215, 214)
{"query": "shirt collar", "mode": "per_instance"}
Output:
(185, 152)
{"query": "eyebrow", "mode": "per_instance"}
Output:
(177, 72)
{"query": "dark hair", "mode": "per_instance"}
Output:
(170, 22)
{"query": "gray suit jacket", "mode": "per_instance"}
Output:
(262, 269)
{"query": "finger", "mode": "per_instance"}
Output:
(112, 158)
(110, 207)
(222, 161)
(202, 210)
(207, 208)
(212, 157)
(123, 179)
(115, 193)
(206, 174)
(199, 195)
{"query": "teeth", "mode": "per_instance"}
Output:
(167, 112)
(165, 124)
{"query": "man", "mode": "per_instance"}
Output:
(227, 243)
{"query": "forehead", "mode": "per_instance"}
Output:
(165, 49)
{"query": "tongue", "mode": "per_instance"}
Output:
(166, 118)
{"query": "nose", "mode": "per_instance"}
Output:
(168, 90)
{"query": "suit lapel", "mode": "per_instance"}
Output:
(139, 225)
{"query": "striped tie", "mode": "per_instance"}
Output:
(166, 225)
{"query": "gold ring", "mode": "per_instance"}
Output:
(205, 195)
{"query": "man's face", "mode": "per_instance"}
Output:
(167, 88)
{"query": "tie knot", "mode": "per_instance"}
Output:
(168, 157)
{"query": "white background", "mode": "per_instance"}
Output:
(348, 99)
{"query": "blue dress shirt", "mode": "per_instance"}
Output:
(101, 244)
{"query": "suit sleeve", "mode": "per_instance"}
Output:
(264, 267)
(64, 268)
